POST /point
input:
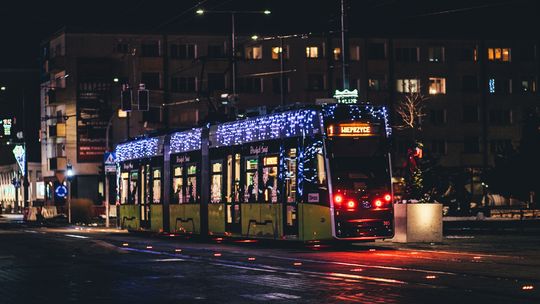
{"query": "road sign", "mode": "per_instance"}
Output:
(20, 155)
(109, 162)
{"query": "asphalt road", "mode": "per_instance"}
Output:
(77, 265)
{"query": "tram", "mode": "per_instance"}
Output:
(312, 173)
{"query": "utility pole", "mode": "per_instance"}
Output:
(233, 49)
(344, 47)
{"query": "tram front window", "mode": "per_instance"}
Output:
(359, 166)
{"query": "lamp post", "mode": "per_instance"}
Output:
(201, 12)
(69, 175)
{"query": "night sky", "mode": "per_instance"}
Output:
(25, 24)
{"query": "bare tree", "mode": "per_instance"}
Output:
(411, 110)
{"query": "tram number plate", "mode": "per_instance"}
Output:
(313, 197)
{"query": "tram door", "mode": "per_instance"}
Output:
(290, 208)
(143, 197)
(233, 223)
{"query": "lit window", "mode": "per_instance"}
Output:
(437, 85)
(217, 182)
(499, 54)
(312, 52)
(492, 85)
(178, 182)
(337, 53)
(254, 52)
(355, 53)
(276, 50)
(408, 85)
(156, 187)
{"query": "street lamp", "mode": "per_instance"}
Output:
(201, 12)
(69, 175)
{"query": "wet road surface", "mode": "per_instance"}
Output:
(68, 265)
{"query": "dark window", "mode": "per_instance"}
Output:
(436, 54)
(216, 81)
(438, 147)
(500, 117)
(150, 49)
(500, 146)
(468, 54)
(121, 48)
(151, 80)
(407, 54)
(470, 113)
(153, 115)
(183, 84)
(469, 83)
(249, 85)
(528, 85)
(499, 86)
(377, 83)
(276, 88)
(527, 52)
(437, 117)
(471, 144)
(377, 51)
(315, 82)
(216, 51)
(183, 51)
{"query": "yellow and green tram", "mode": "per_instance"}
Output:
(312, 173)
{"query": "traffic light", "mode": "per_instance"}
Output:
(126, 99)
(143, 100)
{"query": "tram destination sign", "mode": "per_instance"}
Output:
(352, 129)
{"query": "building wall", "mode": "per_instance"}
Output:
(190, 104)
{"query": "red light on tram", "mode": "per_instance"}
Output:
(387, 197)
(351, 204)
(338, 199)
(378, 203)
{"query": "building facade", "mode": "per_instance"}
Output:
(11, 197)
(477, 91)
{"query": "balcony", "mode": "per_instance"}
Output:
(57, 163)
(57, 96)
(57, 64)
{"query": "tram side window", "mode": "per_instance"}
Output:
(228, 179)
(217, 182)
(178, 185)
(156, 186)
(252, 180)
(237, 189)
(125, 188)
(290, 176)
(191, 186)
(315, 182)
(269, 178)
(133, 187)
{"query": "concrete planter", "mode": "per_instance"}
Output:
(418, 223)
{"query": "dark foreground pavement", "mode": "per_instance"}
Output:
(67, 265)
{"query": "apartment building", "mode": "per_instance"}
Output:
(478, 90)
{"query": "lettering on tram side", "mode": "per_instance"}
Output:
(182, 159)
(313, 197)
(258, 149)
(127, 166)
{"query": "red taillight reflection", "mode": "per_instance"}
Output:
(378, 203)
(387, 198)
(351, 204)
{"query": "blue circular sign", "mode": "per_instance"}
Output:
(61, 191)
